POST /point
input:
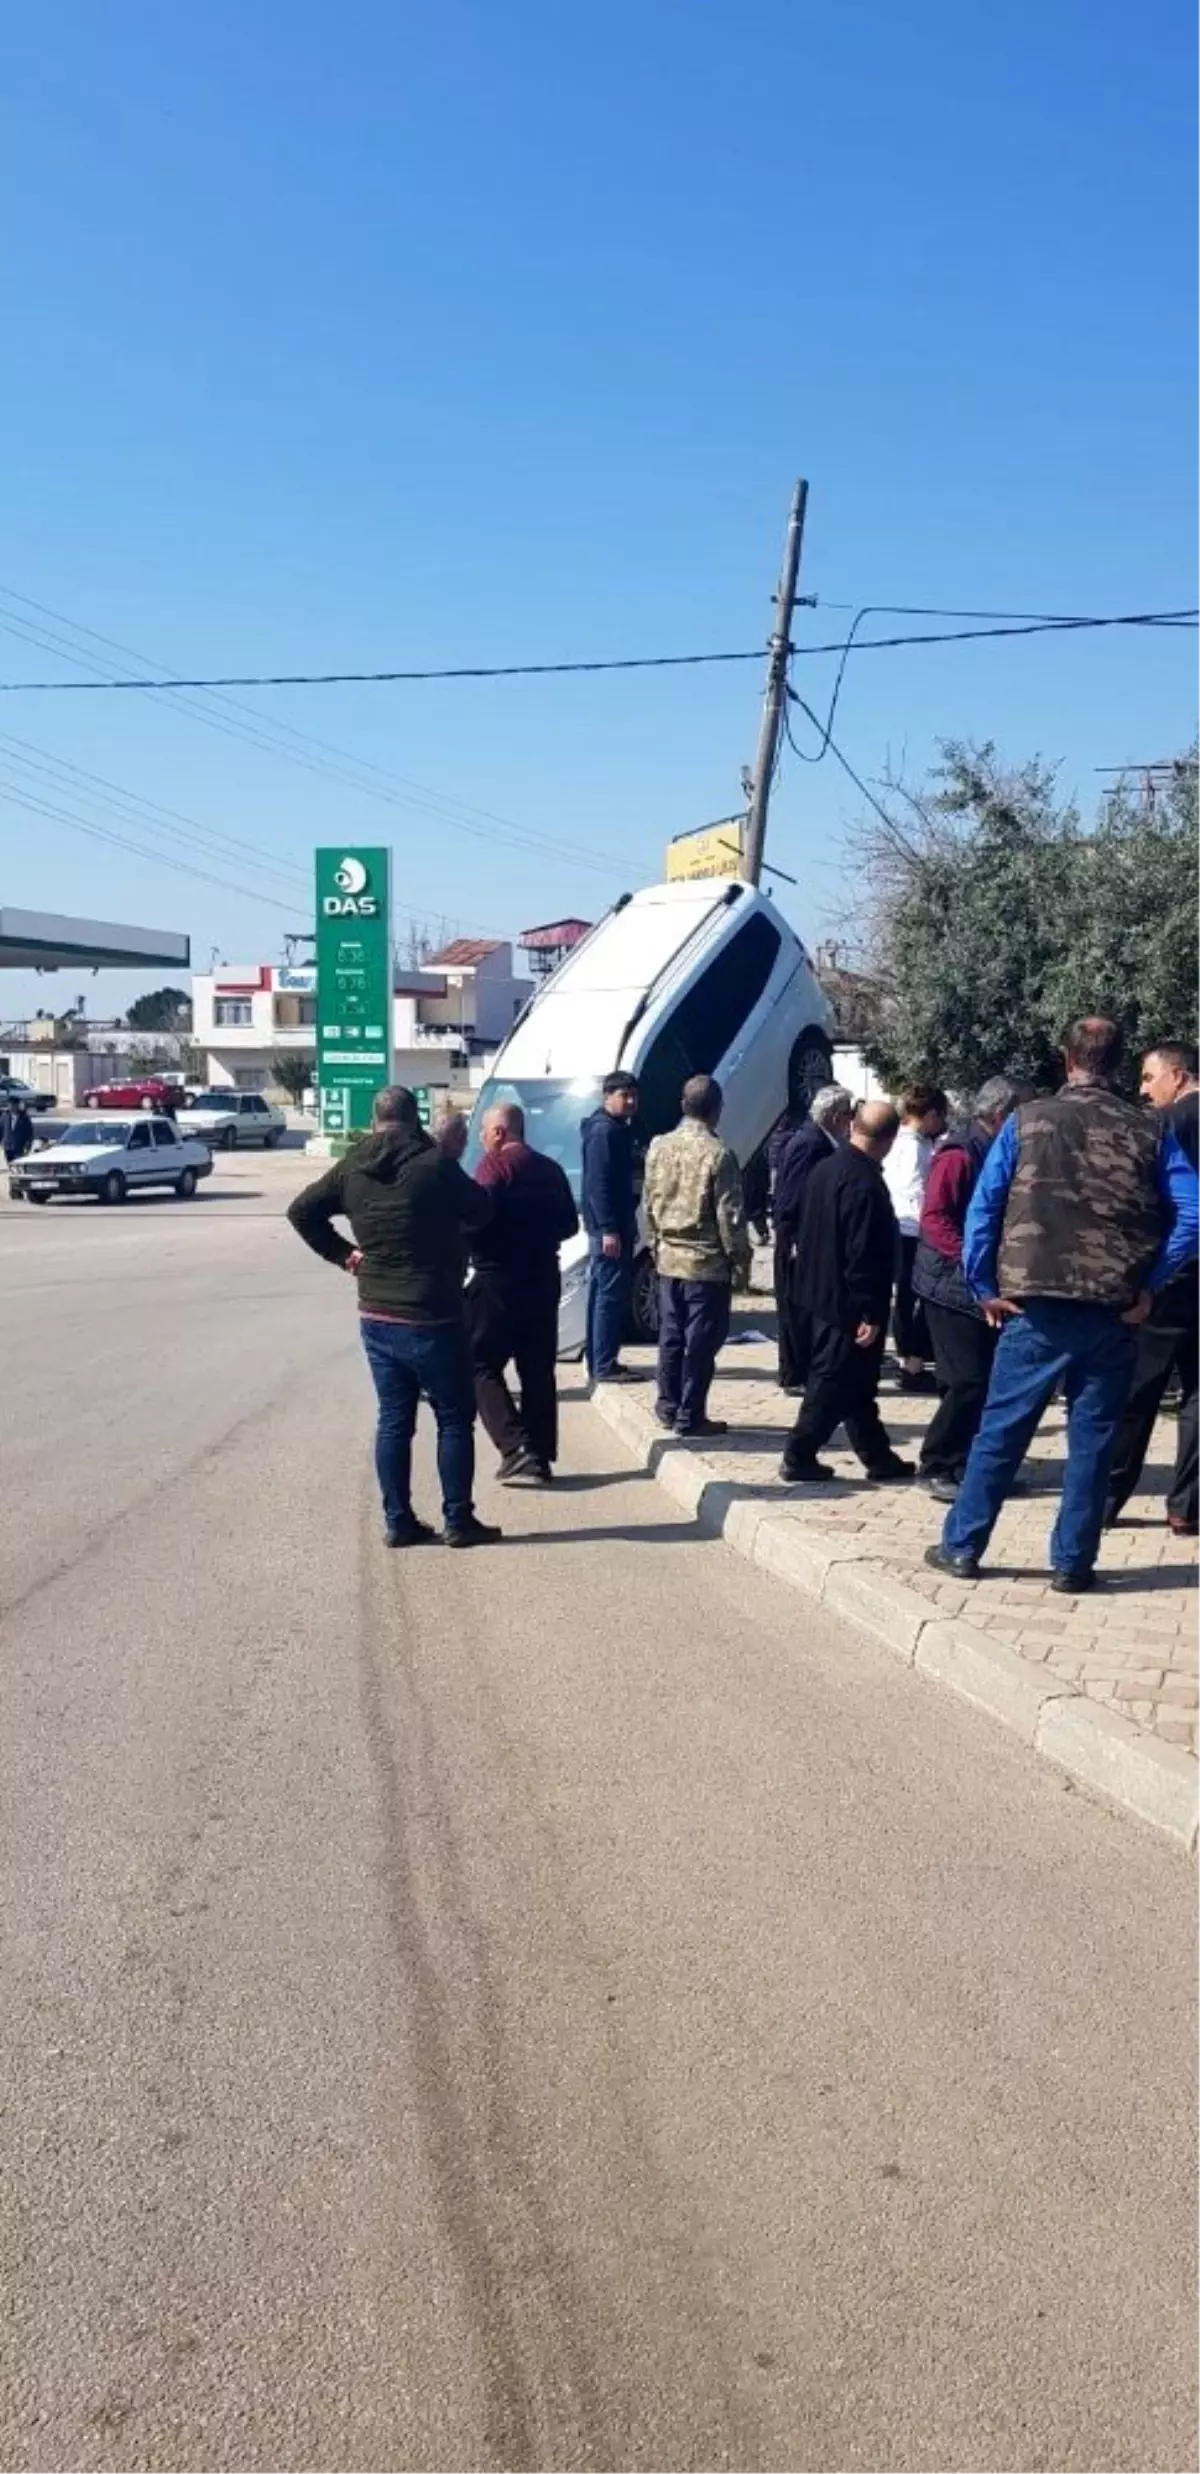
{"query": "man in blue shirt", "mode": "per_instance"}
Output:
(1083, 1209)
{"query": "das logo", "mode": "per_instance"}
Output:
(353, 899)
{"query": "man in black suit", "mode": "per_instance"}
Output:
(827, 1125)
(846, 1256)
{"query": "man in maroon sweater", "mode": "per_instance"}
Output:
(963, 1344)
(513, 1299)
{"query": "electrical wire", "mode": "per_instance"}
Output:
(572, 669)
(18, 795)
(836, 752)
(390, 678)
(322, 758)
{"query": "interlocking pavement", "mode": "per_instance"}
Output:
(1130, 1644)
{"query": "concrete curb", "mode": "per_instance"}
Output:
(1106, 1755)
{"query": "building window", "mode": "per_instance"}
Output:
(295, 1013)
(232, 1013)
(251, 1078)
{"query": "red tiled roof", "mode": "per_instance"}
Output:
(464, 951)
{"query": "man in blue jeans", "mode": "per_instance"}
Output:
(410, 1209)
(609, 1212)
(1078, 1217)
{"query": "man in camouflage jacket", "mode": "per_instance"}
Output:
(1077, 1218)
(693, 1204)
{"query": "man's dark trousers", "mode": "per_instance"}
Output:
(693, 1323)
(522, 1332)
(408, 1360)
(1161, 1348)
(842, 1382)
(609, 1282)
(963, 1349)
(791, 1320)
(1091, 1352)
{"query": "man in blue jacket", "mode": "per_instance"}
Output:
(609, 1212)
(1082, 1210)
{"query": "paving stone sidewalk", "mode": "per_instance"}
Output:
(1128, 1647)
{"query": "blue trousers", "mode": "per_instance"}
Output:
(410, 1362)
(1091, 1352)
(607, 1305)
(693, 1323)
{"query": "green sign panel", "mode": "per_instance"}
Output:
(354, 985)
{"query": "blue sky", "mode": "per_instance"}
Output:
(444, 331)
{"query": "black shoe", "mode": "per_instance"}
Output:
(959, 1567)
(792, 1391)
(520, 1468)
(409, 1532)
(943, 1490)
(665, 1417)
(704, 1426)
(1071, 1584)
(471, 1532)
(620, 1374)
(916, 1382)
(891, 1472)
(807, 1473)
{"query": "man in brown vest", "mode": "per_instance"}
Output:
(1074, 1222)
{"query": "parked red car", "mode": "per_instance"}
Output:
(138, 1091)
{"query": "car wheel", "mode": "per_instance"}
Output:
(146, 1103)
(114, 1188)
(271, 1141)
(92, 1101)
(643, 1299)
(185, 1185)
(229, 1138)
(810, 1066)
(30, 1196)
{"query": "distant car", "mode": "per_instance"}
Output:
(136, 1091)
(227, 1118)
(112, 1161)
(17, 1094)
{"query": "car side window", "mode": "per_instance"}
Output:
(139, 1140)
(255, 1107)
(164, 1135)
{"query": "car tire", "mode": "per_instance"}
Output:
(643, 1300)
(91, 1101)
(809, 1067)
(229, 1138)
(186, 1184)
(30, 1197)
(271, 1141)
(114, 1188)
(147, 1104)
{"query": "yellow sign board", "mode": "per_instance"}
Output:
(716, 850)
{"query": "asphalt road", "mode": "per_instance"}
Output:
(553, 2007)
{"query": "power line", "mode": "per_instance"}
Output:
(836, 752)
(573, 669)
(327, 761)
(388, 678)
(19, 795)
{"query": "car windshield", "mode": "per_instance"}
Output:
(88, 1136)
(554, 1113)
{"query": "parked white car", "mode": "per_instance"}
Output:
(227, 1118)
(112, 1158)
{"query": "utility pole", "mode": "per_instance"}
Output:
(776, 691)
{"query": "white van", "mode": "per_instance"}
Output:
(691, 978)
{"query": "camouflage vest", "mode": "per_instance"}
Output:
(1083, 1218)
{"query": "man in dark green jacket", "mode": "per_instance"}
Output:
(410, 1209)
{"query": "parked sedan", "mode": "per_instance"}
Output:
(112, 1161)
(135, 1091)
(227, 1118)
(17, 1094)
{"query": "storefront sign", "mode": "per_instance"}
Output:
(715, 851)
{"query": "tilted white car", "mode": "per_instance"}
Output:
(227, 1118)
(112, 1158)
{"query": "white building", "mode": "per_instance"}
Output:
(447, 1014)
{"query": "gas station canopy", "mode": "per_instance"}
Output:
(41, 941)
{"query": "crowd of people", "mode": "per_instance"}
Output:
(1040, 1242)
